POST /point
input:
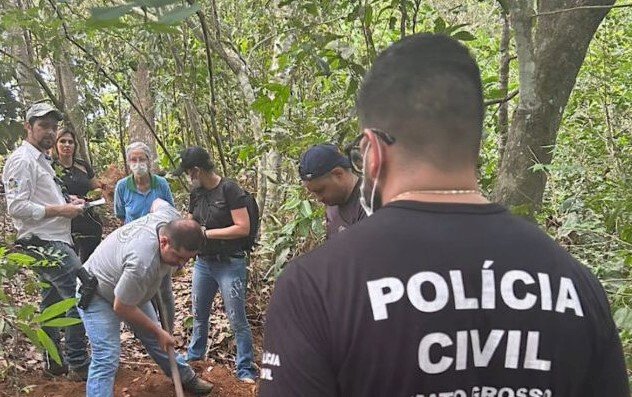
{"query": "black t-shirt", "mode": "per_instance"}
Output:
(212, 207)
(424, 299)
(340, 217)
(77, 181)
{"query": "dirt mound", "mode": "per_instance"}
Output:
(144, 380)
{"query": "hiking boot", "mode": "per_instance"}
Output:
(197, 386)
(78, 375)
(247, 379)
(52, 369)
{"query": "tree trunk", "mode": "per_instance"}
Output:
(143, 98)
(30, 90)
(550, 54)
(70, 98)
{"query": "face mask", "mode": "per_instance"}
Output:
(139, 168)
(375, 202)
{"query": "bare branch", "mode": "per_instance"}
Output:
(582, 8)
(501, 100)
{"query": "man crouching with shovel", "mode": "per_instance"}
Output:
(129, 266)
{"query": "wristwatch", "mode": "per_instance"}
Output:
(203, 230)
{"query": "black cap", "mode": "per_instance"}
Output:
(321, 159)
(194, 156)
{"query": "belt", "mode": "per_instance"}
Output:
(224, 257)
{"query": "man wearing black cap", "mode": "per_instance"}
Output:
(326, 173)
(219, 205)
(41, 213)
(439, 292)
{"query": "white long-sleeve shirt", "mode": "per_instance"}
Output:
(29, 181)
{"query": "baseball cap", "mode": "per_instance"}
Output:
(319, 160)
(194, 156)
(42, 109)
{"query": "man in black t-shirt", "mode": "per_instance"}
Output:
(326, 173)
(440, 293)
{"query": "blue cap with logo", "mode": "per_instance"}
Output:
(321, 159)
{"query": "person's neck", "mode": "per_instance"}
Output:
(350, 186)
(36, 144)
(66, 161)
(428, 184)
(142, 181)
(210, 180)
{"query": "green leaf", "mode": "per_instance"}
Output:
(179, 14)
(30, 333)
(49, 345)
(20, 259)
(155, 3)
(368, 15)
(62, 322)
(439, 25)
(55, 310)
(26, 312)
(306, 209)
(623, 318)
(464, 36)
(110, 13)
(160, 28)
(282, 257)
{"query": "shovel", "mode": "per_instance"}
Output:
(175, 374)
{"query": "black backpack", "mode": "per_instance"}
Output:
(250, 241)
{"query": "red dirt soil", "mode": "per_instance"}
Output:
(133, 381)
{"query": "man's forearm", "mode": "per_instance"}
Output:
(52, 211)
(134, 315)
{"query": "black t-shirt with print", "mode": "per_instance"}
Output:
(441, 300)
(211, 208)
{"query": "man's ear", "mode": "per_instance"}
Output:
(164, 240)
(337, 172)
(375, 154)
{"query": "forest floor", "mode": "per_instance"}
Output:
(138, 375)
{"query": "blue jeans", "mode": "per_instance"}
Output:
(62, 279)
(104, 331)
(230, 276)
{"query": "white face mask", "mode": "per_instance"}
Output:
(139, 169)
(370, 207)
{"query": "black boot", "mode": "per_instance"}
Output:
(198, 386)
(52, 369)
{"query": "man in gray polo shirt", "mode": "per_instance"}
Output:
(41, 213)
(130, 265)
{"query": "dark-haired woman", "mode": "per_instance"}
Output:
(79, 179)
